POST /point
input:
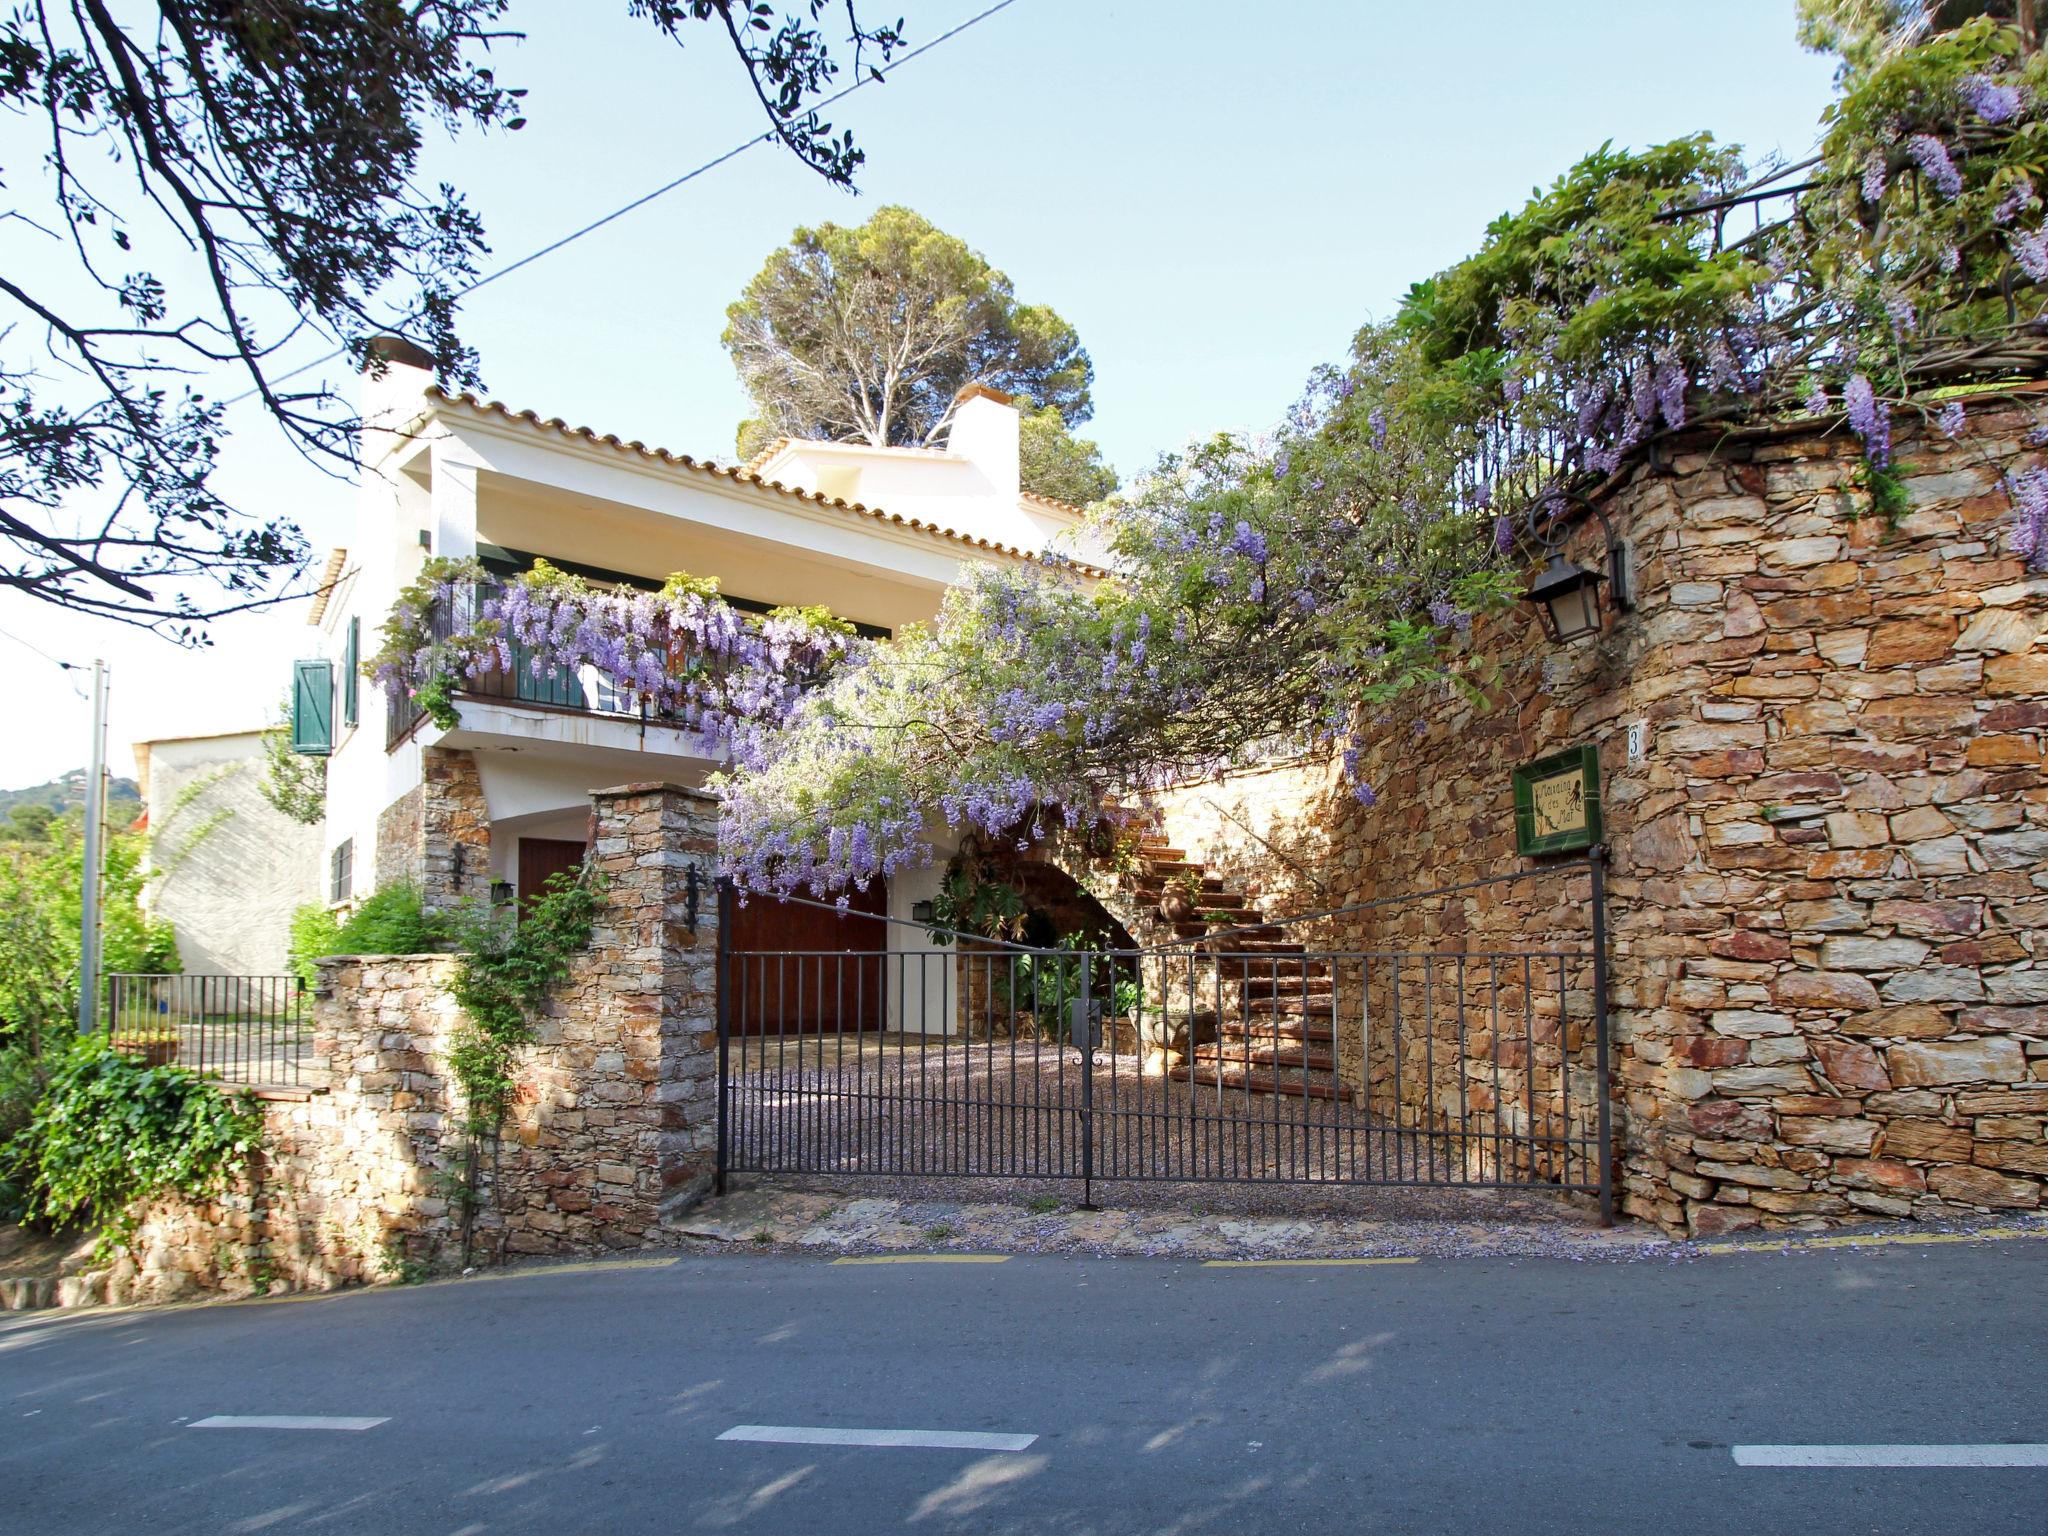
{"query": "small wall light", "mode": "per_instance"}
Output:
(501, 892)
(921, 912)
(1567, 595)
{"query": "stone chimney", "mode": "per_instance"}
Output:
(985, 433)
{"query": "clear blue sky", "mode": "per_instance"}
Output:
(1215, 193)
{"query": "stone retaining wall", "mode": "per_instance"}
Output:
(1830, 875)
(615, 1120)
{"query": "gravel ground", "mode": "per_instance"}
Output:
(930, 1116)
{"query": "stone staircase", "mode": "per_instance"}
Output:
(1260, 1009)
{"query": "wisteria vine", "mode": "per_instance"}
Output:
(682, 651)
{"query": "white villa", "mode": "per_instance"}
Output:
(497, 803)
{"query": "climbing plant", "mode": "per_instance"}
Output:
(505, 966)
(109, 1132)
(1294, 584)
(682, 650)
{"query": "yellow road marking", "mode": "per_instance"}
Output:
(927, 1258)
(1878, 1240)
(1295, 1263)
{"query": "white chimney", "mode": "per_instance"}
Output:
(397, 394)
(985, 433)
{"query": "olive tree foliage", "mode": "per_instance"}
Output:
(866, 335)
(198, 191)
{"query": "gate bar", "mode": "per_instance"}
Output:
(1596, 865)
(724, 1032)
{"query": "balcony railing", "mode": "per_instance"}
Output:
(517, 684)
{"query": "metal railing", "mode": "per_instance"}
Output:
(517, 683)
(1416, 1060)
(256, 1030)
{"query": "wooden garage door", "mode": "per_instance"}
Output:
(801, 969)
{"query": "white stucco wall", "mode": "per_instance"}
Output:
(227, 869)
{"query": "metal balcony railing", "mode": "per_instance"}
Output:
(517, 684)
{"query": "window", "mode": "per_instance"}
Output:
(341, 872)
(351, 670)
(313, 707)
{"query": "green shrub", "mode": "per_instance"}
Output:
(109, 1131)
(22, 1076)
(390, 921)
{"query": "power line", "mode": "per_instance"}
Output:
(68, 666)
(765, 136)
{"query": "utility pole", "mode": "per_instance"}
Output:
(95, 813)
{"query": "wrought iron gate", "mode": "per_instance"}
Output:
(1452, 1037)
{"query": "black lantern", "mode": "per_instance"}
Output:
(1567, 599)
(1566, 594)
(501, 892)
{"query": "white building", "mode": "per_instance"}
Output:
(227, 869)
(496, 803)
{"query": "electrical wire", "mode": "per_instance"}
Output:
(765, 136)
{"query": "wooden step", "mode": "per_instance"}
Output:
(1291, 1058)
(1292, 1085)
(1281, 1030)
(1262, 1010)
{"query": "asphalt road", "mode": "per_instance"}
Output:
(1442, 1395)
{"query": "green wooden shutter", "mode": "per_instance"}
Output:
(313, 707)
(351, 671)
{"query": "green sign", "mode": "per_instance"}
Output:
(1557, 802)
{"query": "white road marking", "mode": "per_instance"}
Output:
(934, 1439)
(284, 1421)
(1890, 1455)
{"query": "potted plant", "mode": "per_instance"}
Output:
(156, 1044)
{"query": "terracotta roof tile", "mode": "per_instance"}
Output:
(739, 476)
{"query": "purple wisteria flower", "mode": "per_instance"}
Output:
(2030, 250)
(1378, 422)
(1280, 467)
(1817, 400)
(1248, 542)
(1993, 100)
(2029, 536)
(1900, 309)
(1870, 419)
(1931, 156)
(1950, 421)
(1874, 169)
(2018, 198)
(1503, 535)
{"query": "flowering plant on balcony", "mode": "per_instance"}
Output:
(683, 650)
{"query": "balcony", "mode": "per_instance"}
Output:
(519, 685)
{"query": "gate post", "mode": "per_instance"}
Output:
(724, 1033)
(1596, 865)
(1083, 1024)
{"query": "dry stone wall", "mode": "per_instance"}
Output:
(1830, 870)
(614, 1123)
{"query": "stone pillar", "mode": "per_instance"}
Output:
(454, 828)
(658, 974)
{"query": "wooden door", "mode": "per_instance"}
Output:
(541, 857)
(805, 969)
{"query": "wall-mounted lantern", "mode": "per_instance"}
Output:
(501, 892)
(1567, 595)
(923, 912)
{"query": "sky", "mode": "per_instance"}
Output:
(1215, 194)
